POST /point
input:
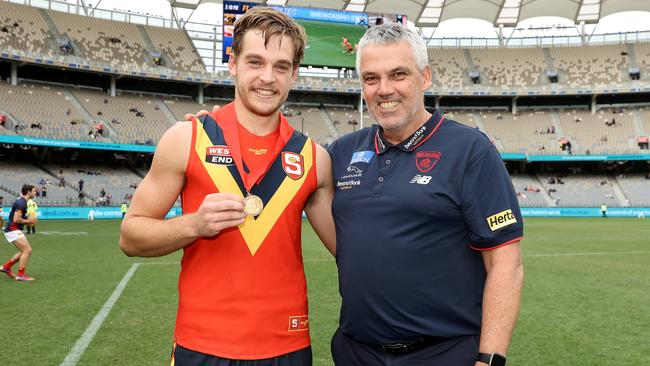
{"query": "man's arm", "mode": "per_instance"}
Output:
(18, 218)
(145, 231)
(501, 297)
(319, 206)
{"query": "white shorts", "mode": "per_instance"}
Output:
(12, 236)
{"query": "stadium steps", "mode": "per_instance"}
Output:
(548, 59)
(555, 119)
(87, 117)
(50, 24)
(631, 55)
(638, 124)
(479, 122)
(10, 123)
(149, 45)
(71, 185)
(166, 111)
(8, 191)
(550, 202)
(329, 123)
(470, 63)
(618, 191)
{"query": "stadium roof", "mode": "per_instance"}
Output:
(429, 13)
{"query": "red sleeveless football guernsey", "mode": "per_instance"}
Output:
(242, 293)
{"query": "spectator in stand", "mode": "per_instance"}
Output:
(36, 125)
(102, 193)
(3, 119)
(44, 191)
(81, 184)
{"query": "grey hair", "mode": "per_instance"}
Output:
(391, 33)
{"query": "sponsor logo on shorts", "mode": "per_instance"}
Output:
(426, 160)
(501, 219)
(298, 323)
(219, 154)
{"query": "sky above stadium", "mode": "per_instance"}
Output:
(212, 13)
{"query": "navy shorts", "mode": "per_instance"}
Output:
(459, 351)
(182, 356)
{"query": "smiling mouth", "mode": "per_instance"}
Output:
(264, 92)
(388, 106)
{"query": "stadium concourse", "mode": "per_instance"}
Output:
(572, 121)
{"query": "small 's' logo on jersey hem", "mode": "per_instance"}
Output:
(298, 323)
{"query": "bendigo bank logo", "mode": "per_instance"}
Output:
(219, 154)
(426, 160)
(293, 165)
(501, 219)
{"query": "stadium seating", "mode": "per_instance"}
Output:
(523, 66)
(43, 111)
(15, 175)
(591, 134)
(591, 66)
(636, 188)
(529, 131)
(530, 191)
(182, 106)
(178, 48)
(131, 127)
(580, 190)
(25, 30)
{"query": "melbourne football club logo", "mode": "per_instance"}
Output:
(426, 160)
(293, 165)
(219, 154)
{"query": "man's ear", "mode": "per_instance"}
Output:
(232, 65)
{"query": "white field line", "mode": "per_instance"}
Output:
(82, 343)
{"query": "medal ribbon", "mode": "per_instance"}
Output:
(226, 117)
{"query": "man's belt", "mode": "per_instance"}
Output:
(404, 347)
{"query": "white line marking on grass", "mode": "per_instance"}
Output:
(82, 343)
(580, 254)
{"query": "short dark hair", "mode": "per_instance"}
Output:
(27, 188)
(271, 22)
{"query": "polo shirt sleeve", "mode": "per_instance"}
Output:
(490, 206)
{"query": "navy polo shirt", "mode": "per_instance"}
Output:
(411, 220)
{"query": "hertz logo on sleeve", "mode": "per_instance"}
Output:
(502, 219)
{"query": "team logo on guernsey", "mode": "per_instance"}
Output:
(219, 154)
(426, 160)
(501, 219)
(293, 165)
(297, 323)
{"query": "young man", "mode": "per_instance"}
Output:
(245, 177)
(437, 281)
(14, 235)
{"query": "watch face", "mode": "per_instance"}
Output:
(498, 360)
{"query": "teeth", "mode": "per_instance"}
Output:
(264, 91)
(388, 105)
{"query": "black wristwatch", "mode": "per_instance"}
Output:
(492, 359)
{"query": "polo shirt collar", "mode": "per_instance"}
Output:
(412, 142)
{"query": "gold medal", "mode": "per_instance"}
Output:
(253, 205)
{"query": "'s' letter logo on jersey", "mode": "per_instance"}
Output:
(292, 164)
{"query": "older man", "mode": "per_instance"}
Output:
(438, 278)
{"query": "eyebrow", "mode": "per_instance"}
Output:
(257, 56)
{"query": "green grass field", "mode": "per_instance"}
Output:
(586, 297)
(324, 43)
